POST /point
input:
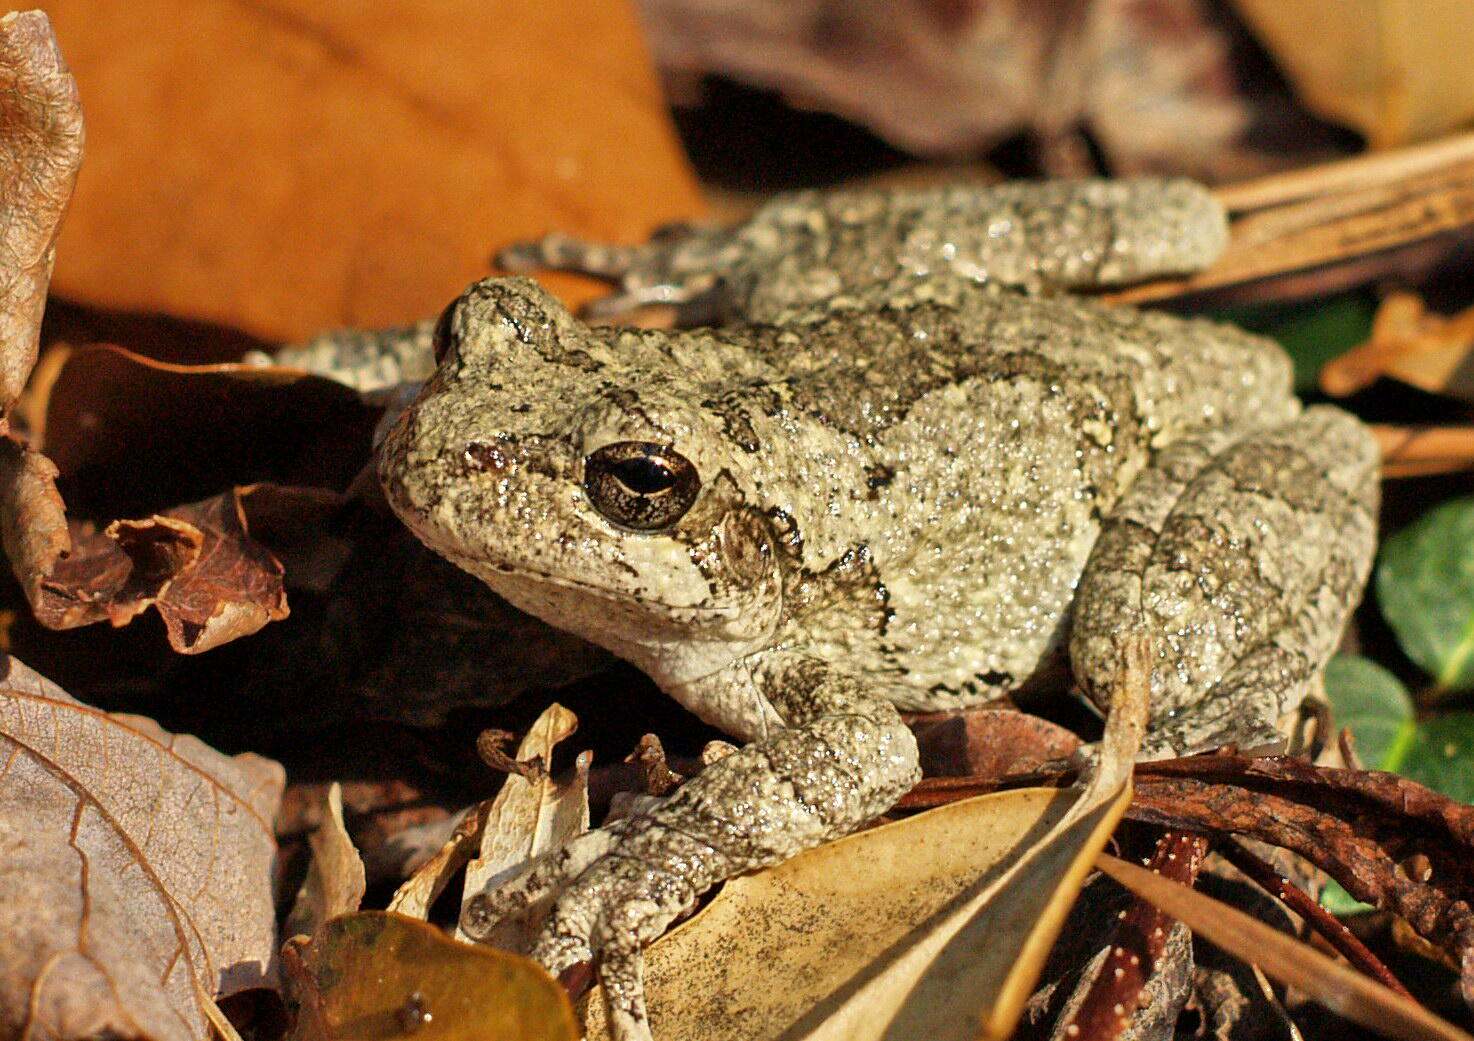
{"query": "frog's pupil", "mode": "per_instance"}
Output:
(644, 476)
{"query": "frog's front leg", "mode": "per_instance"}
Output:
(875, 248)
(844, 758)
(1241, 557)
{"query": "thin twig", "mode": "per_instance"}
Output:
(1332, 214)
(1322, 921)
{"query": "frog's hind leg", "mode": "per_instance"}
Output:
(676, 266)
(1241, 560)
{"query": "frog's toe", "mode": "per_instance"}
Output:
(520, 896)
(557, 252)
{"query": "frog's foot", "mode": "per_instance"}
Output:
(612, 891)
(676, 266)
(844, 758)
(1241, 560)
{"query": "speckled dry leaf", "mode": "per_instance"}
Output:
(1396, 70)
(196, 565)
(284, 168)
(935, 926)
(1153, 82)
(377, 976)
(335, 879)
(137, 869)
(40, 152)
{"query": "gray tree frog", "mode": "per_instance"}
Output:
(906, 471)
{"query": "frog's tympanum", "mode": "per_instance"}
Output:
(905, 470)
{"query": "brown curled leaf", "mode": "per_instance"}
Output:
(196, 565)
(40, 152)
(137, 870)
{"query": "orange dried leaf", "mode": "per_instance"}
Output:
(137, 870)
(40, 151)
(376, 976)
(283, 169)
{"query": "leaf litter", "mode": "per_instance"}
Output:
(154, 526)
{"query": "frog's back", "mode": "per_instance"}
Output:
(949, 468)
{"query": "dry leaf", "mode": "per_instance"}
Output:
(335, 879)
(1394, 70)
(529, 816)
(1428, 351)
(1335, 985)
(33, 519)
(133, 436)
(40, 152)
(289, 168)
(984, 742)
(935, 926)
(196, 565)
(376, 976)
(137, 870)
(1153, 82)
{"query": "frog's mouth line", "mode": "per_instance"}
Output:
(488, 567)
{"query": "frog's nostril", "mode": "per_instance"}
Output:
(484, 456)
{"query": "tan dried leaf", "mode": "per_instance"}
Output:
(531, 813)
(40, 152)
(1396, 71)
(137, 870)
(33, 519)
(335, 877)
(529, 817)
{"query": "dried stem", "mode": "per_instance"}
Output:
(1322, 921)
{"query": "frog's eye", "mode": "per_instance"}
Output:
(640, 484)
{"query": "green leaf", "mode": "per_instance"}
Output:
(1442, 755)
(1374, 704)
(1337, 901)
(1425, 584)
(1311, 334)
